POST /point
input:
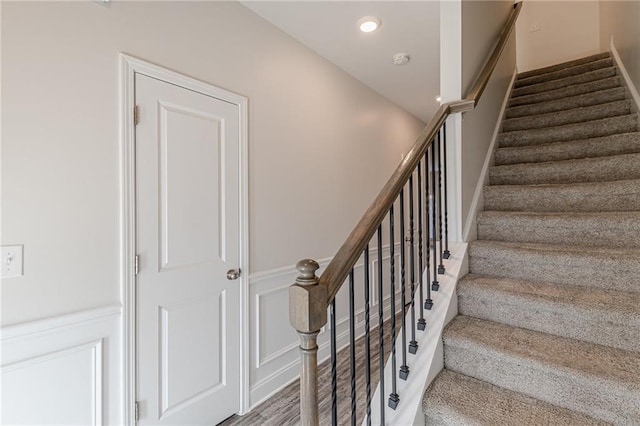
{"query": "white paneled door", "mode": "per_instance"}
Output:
(187, 201)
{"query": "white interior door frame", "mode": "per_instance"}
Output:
(129, 67)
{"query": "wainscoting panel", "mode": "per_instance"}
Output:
(62, 370)
(274, 343)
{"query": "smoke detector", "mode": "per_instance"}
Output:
(400, 58)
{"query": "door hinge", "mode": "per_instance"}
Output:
(136, 264)
(137, 411)
(136, 115)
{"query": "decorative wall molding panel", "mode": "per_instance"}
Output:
(63, 370)
(70, 366)
(274, 343)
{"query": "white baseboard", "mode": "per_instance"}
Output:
(63, 370)
(632, 90)
(477, 203)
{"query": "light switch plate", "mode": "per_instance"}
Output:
(12, 261)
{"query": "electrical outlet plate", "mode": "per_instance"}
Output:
(12, 261)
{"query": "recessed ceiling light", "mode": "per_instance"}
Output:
(368, 24)
(439, 98)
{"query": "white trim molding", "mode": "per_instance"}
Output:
(429, 360)
(80, 350)
(631, 88)
(48, 325)
(129, 67)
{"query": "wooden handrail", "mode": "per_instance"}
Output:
(310, 296)
(336, 272)
(483, 78)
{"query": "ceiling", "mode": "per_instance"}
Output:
(330, 29)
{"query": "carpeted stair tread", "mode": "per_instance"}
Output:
(570, 116)
(616, 167)
(564, 82)
(562, 104)
(566, 92)
(564, 72)
(454, 398)
(597, 169)
(610, 229)
(604, 317)
(563, 65)
(549, 314)
(624, 143)
(608, 268)
(623, 195)
(591, 129)
(576, 375)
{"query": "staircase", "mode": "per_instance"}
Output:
(549, 324)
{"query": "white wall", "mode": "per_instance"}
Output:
(620, 20)
(321, 146)
(482, 22)
(568, 30)
(321, 143)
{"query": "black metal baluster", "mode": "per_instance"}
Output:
(367, 343)
(446, 254)
(381, 325)
(422, 324)
(434, 284)
(404, 368)
(428, 303)
(352, 347)
(413, 344)
(334, 359)
(394, 399)
(441, 269)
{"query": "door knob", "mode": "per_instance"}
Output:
(233, 274)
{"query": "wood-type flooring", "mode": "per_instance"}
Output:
(284, 407)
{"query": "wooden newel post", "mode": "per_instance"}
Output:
(307, 314)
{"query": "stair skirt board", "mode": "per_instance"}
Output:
(427, 362)
(548, 330)
(632, 91)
